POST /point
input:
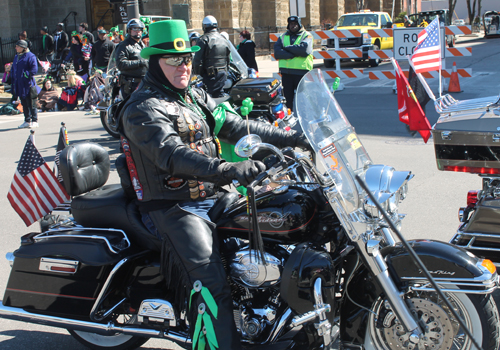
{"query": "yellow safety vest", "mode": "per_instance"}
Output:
(305, 63)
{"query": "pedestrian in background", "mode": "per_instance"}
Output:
(294, 52)
(48, 96)
(24, 36)
(84, 31)
(24, 68)
(246, 49)
(46, 52)
(60, 41)
(102, 50)
(75, 52)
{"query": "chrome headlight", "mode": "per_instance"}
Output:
(367, 40)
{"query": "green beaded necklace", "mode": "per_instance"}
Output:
(196, 108)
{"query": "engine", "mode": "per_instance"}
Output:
(255, 287)
(246, 269)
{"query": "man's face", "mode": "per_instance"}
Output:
(178, 76)
(42, 32)
(136, 33)
(294, 27)
(19, 49)
(81, 29)
(102, 36)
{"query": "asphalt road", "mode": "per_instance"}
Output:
(432, 203)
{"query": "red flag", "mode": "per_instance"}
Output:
(34, 190)
(409, 109)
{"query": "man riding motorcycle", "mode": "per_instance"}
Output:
(212, 60)
(173, 159)
(129, 62)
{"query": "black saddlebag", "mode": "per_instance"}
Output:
(61, 272)
(260, 90)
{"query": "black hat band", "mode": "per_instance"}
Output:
(173, 45)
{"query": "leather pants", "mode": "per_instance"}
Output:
(191, 253)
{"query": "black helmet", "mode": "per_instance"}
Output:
(294, 19)
(134, 23)
(209, 23)
(194, 35)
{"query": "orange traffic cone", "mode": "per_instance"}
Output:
(454, 83)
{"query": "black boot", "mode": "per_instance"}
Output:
(191, 253)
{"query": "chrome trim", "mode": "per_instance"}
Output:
(46, 265)
(324, 327)
(484, 284)
(104, 290)
(10, 258)
(50, 234)
(157, 310)
(109, 328)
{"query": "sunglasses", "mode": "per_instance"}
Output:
(177, 61)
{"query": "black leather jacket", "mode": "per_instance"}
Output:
(214, 52)
(129, 60)
(157, 122)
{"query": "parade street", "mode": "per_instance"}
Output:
(432, 204)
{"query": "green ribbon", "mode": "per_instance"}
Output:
(204, 331)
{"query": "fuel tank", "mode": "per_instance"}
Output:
(286, 218)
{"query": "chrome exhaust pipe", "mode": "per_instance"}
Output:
(17, 314)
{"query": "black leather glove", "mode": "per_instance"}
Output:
(243, 172)
(145, 63)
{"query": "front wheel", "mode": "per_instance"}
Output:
(110, 124)
(441, 329)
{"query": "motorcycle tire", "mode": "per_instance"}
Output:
(108, 342)
(479, 313)
(109, 125)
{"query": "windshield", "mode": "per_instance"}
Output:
(358, 20)
(238, 62)
(112, 63)
(333, 138)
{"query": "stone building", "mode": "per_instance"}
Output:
(260, 17)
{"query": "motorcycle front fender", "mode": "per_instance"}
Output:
(447, 264)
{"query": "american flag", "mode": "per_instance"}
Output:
(34, 190)
(427, 54)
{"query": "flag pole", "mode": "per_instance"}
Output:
(440, 59)
(422, 80)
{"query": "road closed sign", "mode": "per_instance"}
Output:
(406, 39)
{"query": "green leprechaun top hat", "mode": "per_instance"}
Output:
(168, 37)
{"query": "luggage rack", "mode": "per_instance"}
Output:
(116, 240)
(478, 243)
(447, 104)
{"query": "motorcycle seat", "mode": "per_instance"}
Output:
(85, 169)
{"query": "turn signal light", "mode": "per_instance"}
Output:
(472, 198)
(488, 264)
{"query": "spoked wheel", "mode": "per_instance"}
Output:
(110, 124)
(110, 342)
(441, 330)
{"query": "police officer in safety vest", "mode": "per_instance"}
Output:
(294, 52)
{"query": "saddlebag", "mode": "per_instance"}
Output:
(260, 90)
(61, 272)
(468, 141)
